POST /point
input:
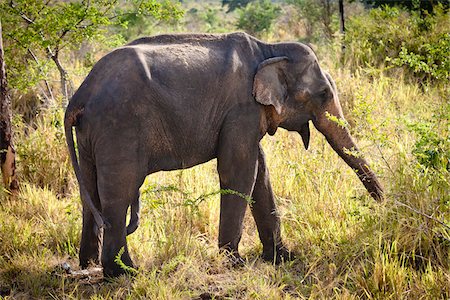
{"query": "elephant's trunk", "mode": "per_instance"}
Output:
(338, 136)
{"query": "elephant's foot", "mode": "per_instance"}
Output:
(277, 255)
(90, 246)
(86, 262)
(236, 260)
(88, 256)
(112, 268)
(233, 257)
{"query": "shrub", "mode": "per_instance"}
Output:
(390, 37)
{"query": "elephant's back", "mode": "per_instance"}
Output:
(180, 67)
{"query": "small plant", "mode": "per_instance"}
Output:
(338, 121)
(319, 18)
(432, 147)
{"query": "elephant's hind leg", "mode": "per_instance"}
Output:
(90, 237)
(118, 186)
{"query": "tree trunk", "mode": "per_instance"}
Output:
(7, 152)
(341, 17)
(342, 28)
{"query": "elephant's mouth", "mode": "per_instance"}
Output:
(305, 134)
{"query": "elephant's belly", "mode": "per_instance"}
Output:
(169, 163)
(180, 158)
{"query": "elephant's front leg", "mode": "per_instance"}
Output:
(266, 216)
(237, 164)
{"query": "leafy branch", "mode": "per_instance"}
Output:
(194, 202)
(122, 265)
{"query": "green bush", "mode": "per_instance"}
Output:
(257, 17)
(390, 37)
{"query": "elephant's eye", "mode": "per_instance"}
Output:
(324, 93)
(323, 96)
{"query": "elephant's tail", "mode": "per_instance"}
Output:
(70, 119)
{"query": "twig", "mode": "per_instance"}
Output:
(45, 80)
(422, 213)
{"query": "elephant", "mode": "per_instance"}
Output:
(174, 101)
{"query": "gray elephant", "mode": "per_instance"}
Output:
(171, 102)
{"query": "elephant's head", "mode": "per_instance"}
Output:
(295, 90)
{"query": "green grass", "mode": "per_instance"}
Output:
(348, 246)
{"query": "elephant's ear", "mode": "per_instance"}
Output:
(269, 85)
(331, 81)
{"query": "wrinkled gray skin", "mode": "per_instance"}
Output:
(175, 101)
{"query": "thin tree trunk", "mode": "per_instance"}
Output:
(63, 78)
(342, 28)
(7, 152)
(341, 17)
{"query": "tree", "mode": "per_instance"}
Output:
(342, 26)
(341, 17)
(317, 15)
(235, 4)
(257, 17)
(7, 153)
(41, 30)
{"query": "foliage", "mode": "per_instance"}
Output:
(122, 265)
(392, 37)
(191, 201)
(432, 148)
(257, 17)
(207, 16)
(135, 17)
(430, 60)
(409, 4)
(37, 32)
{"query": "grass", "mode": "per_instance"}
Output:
(348, 246)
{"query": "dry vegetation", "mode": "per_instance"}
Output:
(348, 246)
